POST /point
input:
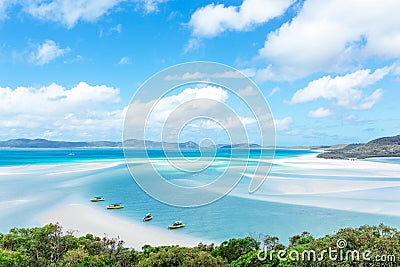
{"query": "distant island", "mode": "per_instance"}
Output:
(133, 143)
(43, 143)
(381, 147)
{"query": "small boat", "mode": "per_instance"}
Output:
(175, 225)
(97, 199)
(115, 206)
(148, 217)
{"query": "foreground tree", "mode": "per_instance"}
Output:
(50, 246)
(179, 256)
(234, 248)
(13, 258)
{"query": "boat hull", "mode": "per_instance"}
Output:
(176, 226)
(147, 219)
(114, 207)
(96, 200)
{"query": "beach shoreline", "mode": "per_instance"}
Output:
(354, 186)
(83, 219)
(305, 180)
(310, 161)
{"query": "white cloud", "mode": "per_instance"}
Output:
(214, 19)
(124, 60)
(150, 6)
(228, 123)
(249, 72)
(369, 101)
(274, 91)
(247, 120)
(283, 124)
(47, 52)
(172, 112)
(203, 75)
(70, 12)
(248, 91)
(4, 4)
(396, 68)
(332, 35)
(193, 112)
(232, 74)
(345, 90)
(186, 76)
(117, 28)
(350, 117)
(320, 113)
(54, 99)
(81, 112)
(193, 44)
(168, 104)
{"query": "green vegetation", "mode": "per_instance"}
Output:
(381, 147)
(50, 246)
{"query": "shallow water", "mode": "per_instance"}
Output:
(35, 180)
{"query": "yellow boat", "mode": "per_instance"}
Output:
(148, 217)
(115, 206)
(175, 225)
(97, 199)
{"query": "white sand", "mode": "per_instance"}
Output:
(309, 163)
(56, 169)
(294, 181)
(310, 175)
(93, 221)
(360, 186)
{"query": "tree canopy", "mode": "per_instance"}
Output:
(51, 246)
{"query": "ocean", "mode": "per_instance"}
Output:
(35, 180)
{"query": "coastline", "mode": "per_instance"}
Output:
(354, 186)
(310, 162)
(85, 219)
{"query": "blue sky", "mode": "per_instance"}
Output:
(329, 69)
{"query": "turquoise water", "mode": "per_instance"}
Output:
(15, 157)
(29, 188)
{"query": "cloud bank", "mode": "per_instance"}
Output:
(214, 19)
(344, 91)
(331, 36)
(69, 13)
(81, 112)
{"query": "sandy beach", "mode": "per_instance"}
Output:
(355, 186)
(359, 185)
(85, 219)
(54, 169)
(310, 163)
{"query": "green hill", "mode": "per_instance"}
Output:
(381, 147)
